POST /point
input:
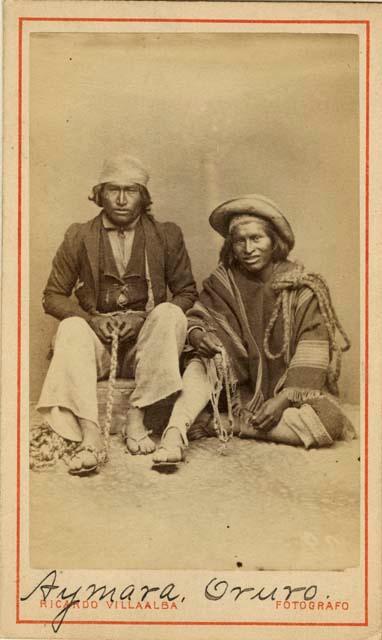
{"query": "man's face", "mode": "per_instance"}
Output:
(122, 203)
(252, 246)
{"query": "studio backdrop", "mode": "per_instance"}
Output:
(212, 116)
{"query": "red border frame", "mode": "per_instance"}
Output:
(23, 19)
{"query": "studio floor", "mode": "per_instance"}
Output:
(260, 506)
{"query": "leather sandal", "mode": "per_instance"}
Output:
(145, 435)
(85, 471)
(171, 452)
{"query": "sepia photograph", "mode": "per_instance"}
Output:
(190, 391)
(194, 301)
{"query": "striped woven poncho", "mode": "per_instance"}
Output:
(280, 335)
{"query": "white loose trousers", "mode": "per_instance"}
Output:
(79, 359)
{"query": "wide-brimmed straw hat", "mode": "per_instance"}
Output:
(254, 205)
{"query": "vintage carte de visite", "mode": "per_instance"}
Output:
(191, 306)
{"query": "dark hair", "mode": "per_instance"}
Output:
(97, 195)
(280, 248)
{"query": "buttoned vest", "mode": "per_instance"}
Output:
(129, 292)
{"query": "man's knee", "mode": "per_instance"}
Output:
(168, 312)
(72, 329)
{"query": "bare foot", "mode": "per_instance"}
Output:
(171, 448)
(89, 453)
(135, 434)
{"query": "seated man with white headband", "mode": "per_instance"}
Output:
(119, 265)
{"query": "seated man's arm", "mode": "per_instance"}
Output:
(180, 280)
(62, 279)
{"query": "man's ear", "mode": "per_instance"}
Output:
(96, 195)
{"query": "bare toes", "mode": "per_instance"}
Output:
(148, 445)
(172, 455)
(160, 455)
(132, 446)
(75, 463)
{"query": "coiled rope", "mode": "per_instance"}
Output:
(220, 376)
(283, 285)
(106, 425)
(46, 447)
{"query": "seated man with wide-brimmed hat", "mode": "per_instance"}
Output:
(276, 325)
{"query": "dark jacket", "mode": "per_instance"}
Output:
(75, 268)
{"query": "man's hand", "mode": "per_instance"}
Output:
(103, 326)
(205, 342)
(270, 413)
(129, 326)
